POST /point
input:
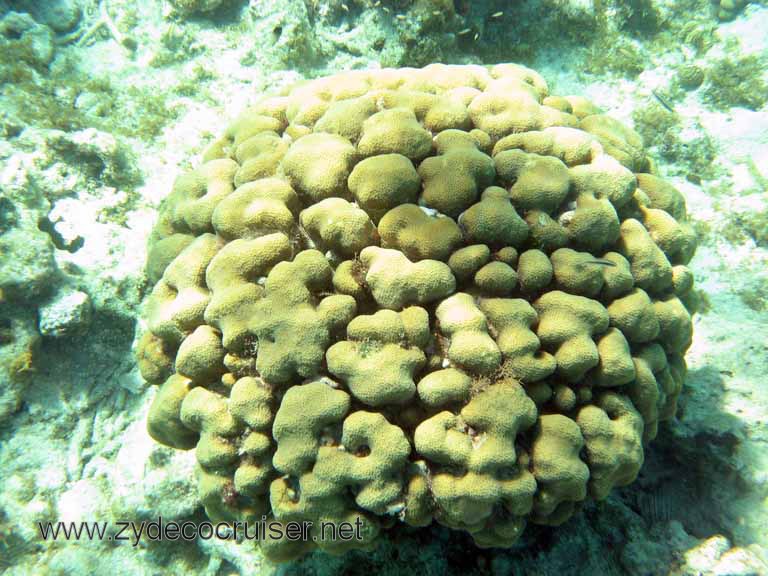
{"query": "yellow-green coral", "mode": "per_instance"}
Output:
(418, 235)
(560, 473)
(467, 329)
(454, 178)
(476, 464)
(382, 354)
(414, 296)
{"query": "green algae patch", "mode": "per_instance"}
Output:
(736, 80)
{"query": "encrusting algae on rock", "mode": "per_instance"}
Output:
(417, 294)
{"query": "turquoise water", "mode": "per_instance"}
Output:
(425, 287)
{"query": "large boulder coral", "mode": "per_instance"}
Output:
(417, 295)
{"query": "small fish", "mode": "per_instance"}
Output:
(345, 7)
(662, 101)
(436, 12)
(400, 16)
(602, 262)
(476, 36)
(497, 15)
(464, 32)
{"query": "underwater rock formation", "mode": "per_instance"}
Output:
(187, 7)
(437, 294)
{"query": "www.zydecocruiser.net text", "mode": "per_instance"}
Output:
(162, 531)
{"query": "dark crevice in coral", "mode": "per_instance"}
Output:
(44, 224)
(8, 215)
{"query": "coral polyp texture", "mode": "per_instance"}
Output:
(417, 295)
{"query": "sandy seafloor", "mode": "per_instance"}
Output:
(78, 199)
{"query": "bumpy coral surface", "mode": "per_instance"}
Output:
(414, 296)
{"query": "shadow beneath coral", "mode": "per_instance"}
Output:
(437, 550)
(74, 373)
(688, 474)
